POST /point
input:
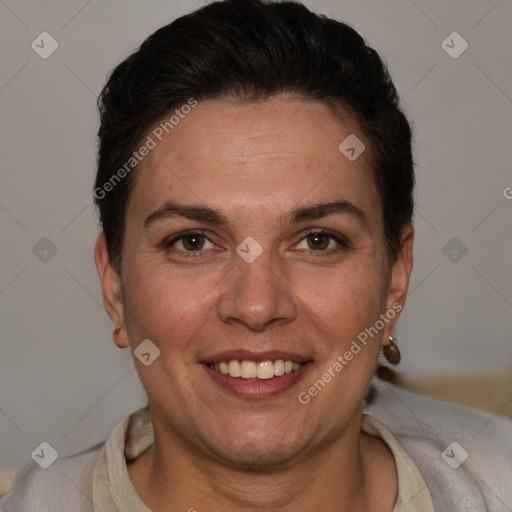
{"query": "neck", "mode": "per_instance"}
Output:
(350, 472)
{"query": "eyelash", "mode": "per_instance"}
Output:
(168, 244)
(342, 242)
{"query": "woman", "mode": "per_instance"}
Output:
(255, 185)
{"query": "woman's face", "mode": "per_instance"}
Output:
(251, 237)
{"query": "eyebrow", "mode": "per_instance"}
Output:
(193, 212)
(199, 213)
(317, 211)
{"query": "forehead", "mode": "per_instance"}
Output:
(273, 154)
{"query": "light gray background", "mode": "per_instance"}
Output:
(62, 380)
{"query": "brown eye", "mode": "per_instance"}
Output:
(318, 241)
(193, 242)
(323, 242)
(190, 242)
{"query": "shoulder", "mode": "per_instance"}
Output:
(65, 485)
(464, 455)
(411, 413)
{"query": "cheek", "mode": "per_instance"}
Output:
(347, 300)
(164, 305)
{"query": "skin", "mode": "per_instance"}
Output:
(256, 163)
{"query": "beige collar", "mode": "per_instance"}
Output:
(113, 490)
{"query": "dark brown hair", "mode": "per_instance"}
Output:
(252, 50)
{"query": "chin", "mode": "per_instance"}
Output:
(263, 447)
(262, 454)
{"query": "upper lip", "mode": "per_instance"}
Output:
(247, 355)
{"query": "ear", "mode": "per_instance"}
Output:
(111, 291)
(400, 275)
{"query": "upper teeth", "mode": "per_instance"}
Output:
(252, 370)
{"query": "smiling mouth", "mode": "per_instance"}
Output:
(264, 370)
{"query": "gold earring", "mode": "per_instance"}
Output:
(391, 352)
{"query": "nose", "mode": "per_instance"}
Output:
(257, 296)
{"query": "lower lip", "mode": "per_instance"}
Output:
(258, 389)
